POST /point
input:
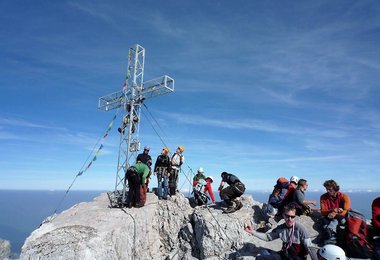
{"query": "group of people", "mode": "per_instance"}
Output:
(285, 192)
(334, 206)
(166, 169)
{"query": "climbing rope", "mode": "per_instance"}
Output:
(83, 169)
(220, 228)
(165, 145)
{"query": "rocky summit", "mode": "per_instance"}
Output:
(162, 229)
(5, 249)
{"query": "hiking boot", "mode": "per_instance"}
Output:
(239, 205)
(229, 210)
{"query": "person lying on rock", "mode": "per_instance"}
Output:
(296, 242)
(230, 194)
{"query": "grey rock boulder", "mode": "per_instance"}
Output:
(5, 249)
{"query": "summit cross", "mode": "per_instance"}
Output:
(130, 98)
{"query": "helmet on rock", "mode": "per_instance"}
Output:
(332, 252)
(294, 179)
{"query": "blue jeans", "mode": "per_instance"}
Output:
(162, 182)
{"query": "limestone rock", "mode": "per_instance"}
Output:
(5, 249)
(160, 230)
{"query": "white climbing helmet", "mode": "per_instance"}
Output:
(332, 252)
(200, 170)
(294, 179)
(211, 178)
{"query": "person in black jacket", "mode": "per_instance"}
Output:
(146, 159)
(162, 170)
(229, 194)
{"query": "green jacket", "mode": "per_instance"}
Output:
(198, 177)
(143, 170)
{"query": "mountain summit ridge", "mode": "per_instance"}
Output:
(161, 229)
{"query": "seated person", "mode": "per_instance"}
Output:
(334, 206)
(299, 198)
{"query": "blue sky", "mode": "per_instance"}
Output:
(263, 89)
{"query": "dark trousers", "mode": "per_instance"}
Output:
(231, 192)
(173, 179)
(134, 183)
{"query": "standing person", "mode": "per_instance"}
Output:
(162, 170)
(334, 206)
(200, 175)
(299, 198)
(146, 159)
(201, 190)
(176, 161)
(136, 176)
(296, 242)
(229, 194)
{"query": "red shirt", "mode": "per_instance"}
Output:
(329, 203)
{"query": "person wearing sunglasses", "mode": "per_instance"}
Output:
(296, 242)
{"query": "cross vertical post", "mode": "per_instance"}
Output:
(130, 98)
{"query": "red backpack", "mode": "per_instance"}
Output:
(356, 236)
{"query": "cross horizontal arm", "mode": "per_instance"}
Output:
(151, 88)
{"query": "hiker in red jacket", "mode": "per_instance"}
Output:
(334, 206)
(201, 190)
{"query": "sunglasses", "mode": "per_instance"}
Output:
(286, 216)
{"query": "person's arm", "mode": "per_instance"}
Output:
(346, 205)
(259, 235)
(323, 204)
(221, 185)
(209, 189)
(307, 202)
(149, 162)
(155, 166)
(144, 175)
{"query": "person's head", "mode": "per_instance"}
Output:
(294, 179)
(331, 252)
(223, 174)
(302, 184)
(200, 171)
(331, 186)
(165, 150)
(210, 178)
(289, 214)
(146, 149)
(180, 149)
